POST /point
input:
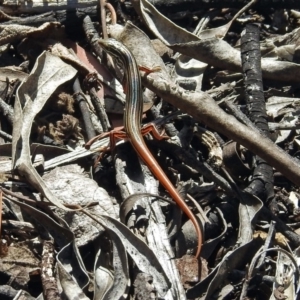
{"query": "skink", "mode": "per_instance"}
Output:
(132, 124)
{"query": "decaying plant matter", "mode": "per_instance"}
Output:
(82, 214)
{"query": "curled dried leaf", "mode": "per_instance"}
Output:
(62, 102)
(69, 127)
(55, 134)
(14, 33)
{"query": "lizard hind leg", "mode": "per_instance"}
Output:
(115, 134)
(151, 128)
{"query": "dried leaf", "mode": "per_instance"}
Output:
(69, 262)
(142, 255)
(116, 285)
(211, 244)
(71, 289)
(162, 27)
(167, 31)
(48, 73)
(275, 104)
(284, 283)
(285, 52)
(12, 73)
(60, 232)
(288, 120)
(71, 186)
(248, 211)
(212, 51)
(103, 281)
(14, 33)
(186, 68)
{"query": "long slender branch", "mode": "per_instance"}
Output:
(203, 108)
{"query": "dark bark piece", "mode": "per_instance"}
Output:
(178, 5)
(251, 58)
(71, 19)
(262, 180)
(34, 21)
(155, 113)
(100, 110)
(92, 36)
(50, 289)
(79, 98)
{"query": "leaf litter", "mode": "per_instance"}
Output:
(92, 222)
